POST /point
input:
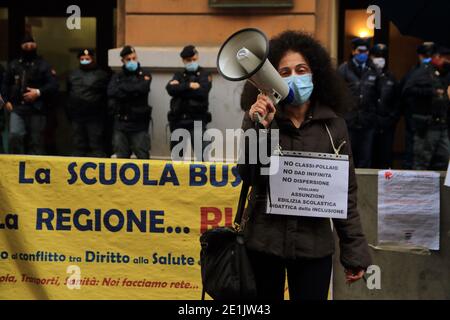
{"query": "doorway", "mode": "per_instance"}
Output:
(402, 51)
(58, 45)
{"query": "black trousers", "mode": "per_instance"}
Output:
(362, 146)
(308, 279)
(383, 148)
(88, 138)
(125, 143)
(197, 153)
(2, 127)
(26, 133)
(408, 158)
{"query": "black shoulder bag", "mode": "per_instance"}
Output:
(226, 270)
(225, 267)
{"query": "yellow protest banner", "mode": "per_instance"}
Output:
(85, 228)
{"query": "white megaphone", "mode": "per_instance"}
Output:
(244, 56)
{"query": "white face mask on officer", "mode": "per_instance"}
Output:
(379, 62)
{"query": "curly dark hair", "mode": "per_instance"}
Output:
(329, 87)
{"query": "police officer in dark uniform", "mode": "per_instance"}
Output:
(445, 72)
(424, 53)
(427, 89)
(190, 99)
(86, 87)
(2, 72)
(128, 92)
(388, 109)
(28, 84)
(2, 111)
(361, 77)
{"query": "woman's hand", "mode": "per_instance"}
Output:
(264, 106)
(353, 275)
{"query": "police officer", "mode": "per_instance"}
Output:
(361, 77)
(190, 99)
(2, 111)
(444, 53)
(429, 101)
(28, 84)
(388, 108)
(128, 92)
(2, 72)
(86, 87)
(424, 54)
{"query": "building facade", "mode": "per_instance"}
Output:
(160, 28)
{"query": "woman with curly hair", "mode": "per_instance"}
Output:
(302, 246)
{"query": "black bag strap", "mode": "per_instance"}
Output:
(241, 214)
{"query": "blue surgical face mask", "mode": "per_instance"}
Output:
(302, 86)
(85, 62)
(426, 60)
(131, 66)
(191, 66)
(361, 57)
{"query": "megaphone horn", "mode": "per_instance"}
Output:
(244, 56)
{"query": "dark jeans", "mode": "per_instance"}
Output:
(362, 146)
(431, 150)
(88, 138)
(308, 279)
(125, 143)
(383, 148)
(26, 134)
(199, 152)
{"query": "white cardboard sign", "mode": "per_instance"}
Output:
(310, 185)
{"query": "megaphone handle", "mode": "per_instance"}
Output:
(258, 118)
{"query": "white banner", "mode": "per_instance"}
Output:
(408, 208)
